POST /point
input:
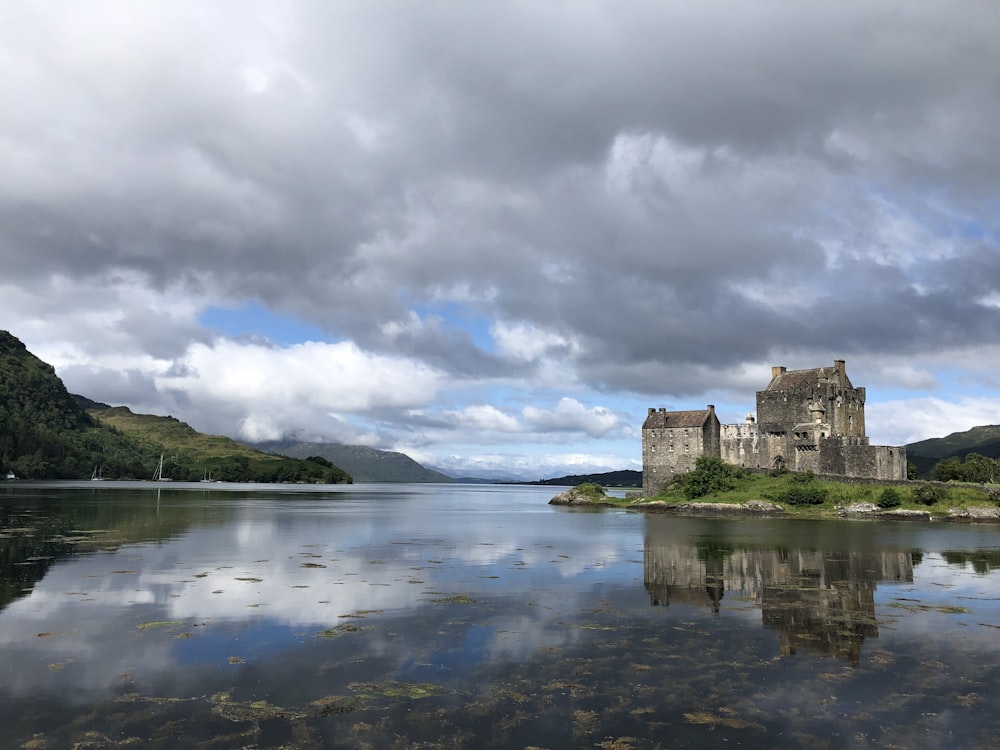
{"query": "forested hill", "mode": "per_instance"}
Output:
(983, 440)
(364, 464)
(623, 478)
(46, 433)
(191, 456)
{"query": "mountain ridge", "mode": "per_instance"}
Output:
(363, 463)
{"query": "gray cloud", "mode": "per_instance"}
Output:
(679, 190)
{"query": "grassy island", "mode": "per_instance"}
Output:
(714, 486)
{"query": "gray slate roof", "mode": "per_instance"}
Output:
(663, 419)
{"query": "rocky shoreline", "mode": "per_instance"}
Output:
(575, 498)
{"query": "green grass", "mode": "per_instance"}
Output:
(772, 488)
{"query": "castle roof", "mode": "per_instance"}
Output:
(787, 380)
(671, 419)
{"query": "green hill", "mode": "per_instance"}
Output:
(622, 478)
(364, 464)
(47, 433)
(925, 454)
(191, 456)
(977, 440)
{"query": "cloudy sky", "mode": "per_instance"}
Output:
(490, 234)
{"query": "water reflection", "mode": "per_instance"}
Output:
(481, 617)
(819, 600)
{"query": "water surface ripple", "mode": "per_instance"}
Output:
(428, 616)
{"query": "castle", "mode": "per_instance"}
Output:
(807, 420)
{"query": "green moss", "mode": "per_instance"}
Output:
(396, 690)
(157, 624)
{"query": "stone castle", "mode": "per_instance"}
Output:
(807, 420)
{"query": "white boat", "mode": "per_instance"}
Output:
(158, 474)
(10, 475)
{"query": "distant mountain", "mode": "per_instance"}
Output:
(364, 464)
(485, 476)
(622, 478)
(984, 440)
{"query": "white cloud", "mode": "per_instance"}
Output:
(570, 414)
(528, 342)
(280, 390)
(903, 421)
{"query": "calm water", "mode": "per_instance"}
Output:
(479, 616)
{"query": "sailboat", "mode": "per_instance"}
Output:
(158, 474)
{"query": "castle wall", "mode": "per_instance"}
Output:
(807, 420)
(667, 452)
(855, 458)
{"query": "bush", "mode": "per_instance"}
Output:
(928, 494)
(592, 491)
(803, 493)
(889, 499)
(709, 475)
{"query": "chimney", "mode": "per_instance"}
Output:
(841, 367)
(776, 371)
(652, 411)
(711, 408)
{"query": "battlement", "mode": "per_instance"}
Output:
(806, 420)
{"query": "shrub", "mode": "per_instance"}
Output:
(709, 475)
(993, 493)
(928, 494)
(889, 499)
(592, 491)
(803, 493)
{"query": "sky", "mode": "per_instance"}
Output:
(491, 235)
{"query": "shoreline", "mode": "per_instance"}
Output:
(764, 509)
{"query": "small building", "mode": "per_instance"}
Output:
(807, 420)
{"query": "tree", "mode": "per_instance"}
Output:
(947, 470)
(982, 469)
(710, 475)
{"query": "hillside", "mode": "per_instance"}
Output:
(364, 464)
(925, 454)
(623, 478)
(47, 433)
(190, 455)
(984, 440)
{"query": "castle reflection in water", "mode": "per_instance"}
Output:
(815, 600)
